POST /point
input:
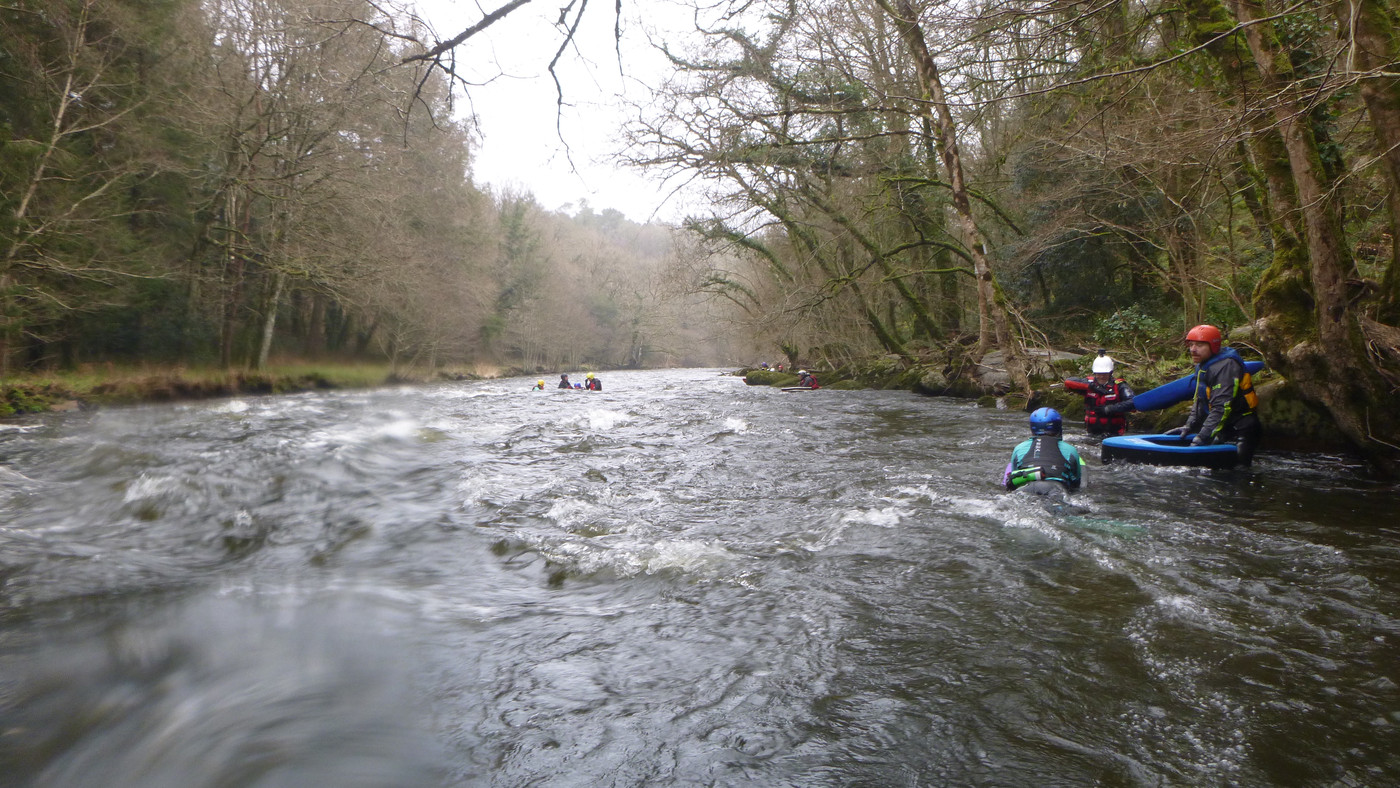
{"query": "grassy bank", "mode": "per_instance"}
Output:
(114, 385)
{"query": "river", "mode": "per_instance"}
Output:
(679, 580)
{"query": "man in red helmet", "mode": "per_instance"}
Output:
(1223, 408)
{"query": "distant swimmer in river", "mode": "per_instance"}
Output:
(1044, 464)
(592, 383)
(564, 382)
(539, 386)
(804, 378)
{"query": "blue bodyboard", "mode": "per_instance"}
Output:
(1167, 450)
(1168, 394)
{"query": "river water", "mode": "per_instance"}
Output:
(680, 580)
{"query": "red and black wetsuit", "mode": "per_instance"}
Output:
(1105, 405)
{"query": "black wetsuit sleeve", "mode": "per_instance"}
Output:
(1125, 400)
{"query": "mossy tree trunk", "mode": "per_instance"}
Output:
(1372, 30)
(995, 318)
(1321, 349)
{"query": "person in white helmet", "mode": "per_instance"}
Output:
(1107, 399)
(804, 378)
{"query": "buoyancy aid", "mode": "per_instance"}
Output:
(1094, 403)
(1095, 420)
(1044, 453)
(1243, 399)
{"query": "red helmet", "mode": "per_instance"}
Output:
(1205, 333)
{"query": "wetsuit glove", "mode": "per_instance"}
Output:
(1176, 431)
(1200, 440)
(1118, 407)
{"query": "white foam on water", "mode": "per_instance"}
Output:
(230, 406)
(399, 428)
(1016, 510)
(1185, 608)
(1002, 508)
(454, 394)
(736, 425)
(603, 420)
(146, 487)
(572, 510)
(684, 555)
(483, 490)
(639, 558)
(887, 517)
(922, 493)
(824, 537)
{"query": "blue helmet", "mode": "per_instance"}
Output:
(1046, 421)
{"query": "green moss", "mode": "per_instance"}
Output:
(118, 386)
(1291, 421)
(767, 377)
(32, 397)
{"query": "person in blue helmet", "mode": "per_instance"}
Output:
(1044, 464)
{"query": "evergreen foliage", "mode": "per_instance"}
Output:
(192, 182)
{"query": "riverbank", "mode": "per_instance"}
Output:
(1292, 424)
(111, 385)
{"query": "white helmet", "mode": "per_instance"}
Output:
(1103, 364)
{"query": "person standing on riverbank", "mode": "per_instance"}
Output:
(1044, 464)
(1223, 406)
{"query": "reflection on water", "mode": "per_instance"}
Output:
(679, 580)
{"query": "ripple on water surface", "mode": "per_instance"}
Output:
(679, 580)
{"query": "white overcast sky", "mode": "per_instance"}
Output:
(517, 114)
